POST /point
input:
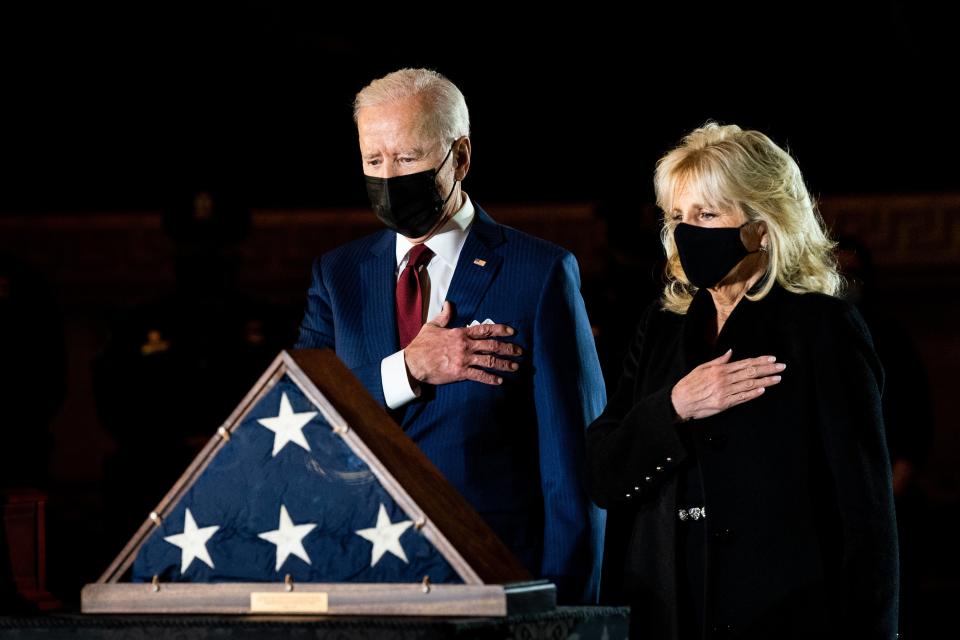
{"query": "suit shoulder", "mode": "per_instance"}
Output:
(533, 248)
(355, 250)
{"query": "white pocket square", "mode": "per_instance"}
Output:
(476, 322)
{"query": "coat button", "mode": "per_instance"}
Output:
(717, 441)
(723, 631)
(659, 469)
(724, 535)
(648, 479)
(669, 460)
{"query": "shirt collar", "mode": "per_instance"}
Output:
(448, 241)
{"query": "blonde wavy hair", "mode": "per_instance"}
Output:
(744, 170)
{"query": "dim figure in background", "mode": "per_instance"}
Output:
(907, 411)
(631, 278)
(33, 378)
(472, 334)
(33, 385)
(907, 416)
(175, 363)
(742, 458)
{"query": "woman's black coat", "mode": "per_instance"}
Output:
(800, 528)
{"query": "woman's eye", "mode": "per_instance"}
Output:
(708, 215)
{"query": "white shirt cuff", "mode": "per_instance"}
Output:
(396, 384)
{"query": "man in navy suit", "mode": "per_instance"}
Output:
(498, 386)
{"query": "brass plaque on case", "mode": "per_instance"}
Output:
(266, 602)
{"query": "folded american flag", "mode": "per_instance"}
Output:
(286, 495)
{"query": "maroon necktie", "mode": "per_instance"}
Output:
(410, 294)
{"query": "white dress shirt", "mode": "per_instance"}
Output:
(446, 245)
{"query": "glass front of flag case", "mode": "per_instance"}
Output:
(310, 500)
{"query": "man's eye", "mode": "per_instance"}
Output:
(373, 162)
(407, 160)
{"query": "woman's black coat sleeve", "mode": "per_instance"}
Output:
(850, 379)
(634, 445)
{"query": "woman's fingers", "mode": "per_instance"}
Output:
(752, 384)
(744, 396)
(756, 371)
(719, 384)
(746, 363)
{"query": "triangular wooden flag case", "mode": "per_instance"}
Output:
(371, 510)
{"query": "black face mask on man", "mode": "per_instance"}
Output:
(707, 254)
(410, 204)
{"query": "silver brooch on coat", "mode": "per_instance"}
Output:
(694, 513)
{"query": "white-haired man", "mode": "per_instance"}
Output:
(498, 386)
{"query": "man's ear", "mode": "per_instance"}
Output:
(461, 158)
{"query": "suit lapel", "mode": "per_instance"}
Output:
(378, 290)
(476, 268)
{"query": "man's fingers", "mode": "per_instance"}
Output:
(442, 318)
(496, 347)
(481, 331)
(492, 362)
(478, 375)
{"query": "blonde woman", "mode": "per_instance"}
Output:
(742, 459)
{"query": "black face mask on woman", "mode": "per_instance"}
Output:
(410, 204)
(707, 254)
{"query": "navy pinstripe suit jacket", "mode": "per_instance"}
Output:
(515, 451)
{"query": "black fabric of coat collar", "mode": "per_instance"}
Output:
(741, 330)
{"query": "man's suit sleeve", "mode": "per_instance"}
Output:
(569, 394)
(317, 331)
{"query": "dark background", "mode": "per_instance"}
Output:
(113, 116)
(109, 108)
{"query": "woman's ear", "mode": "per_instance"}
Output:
(754, 236)
(762, 238)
